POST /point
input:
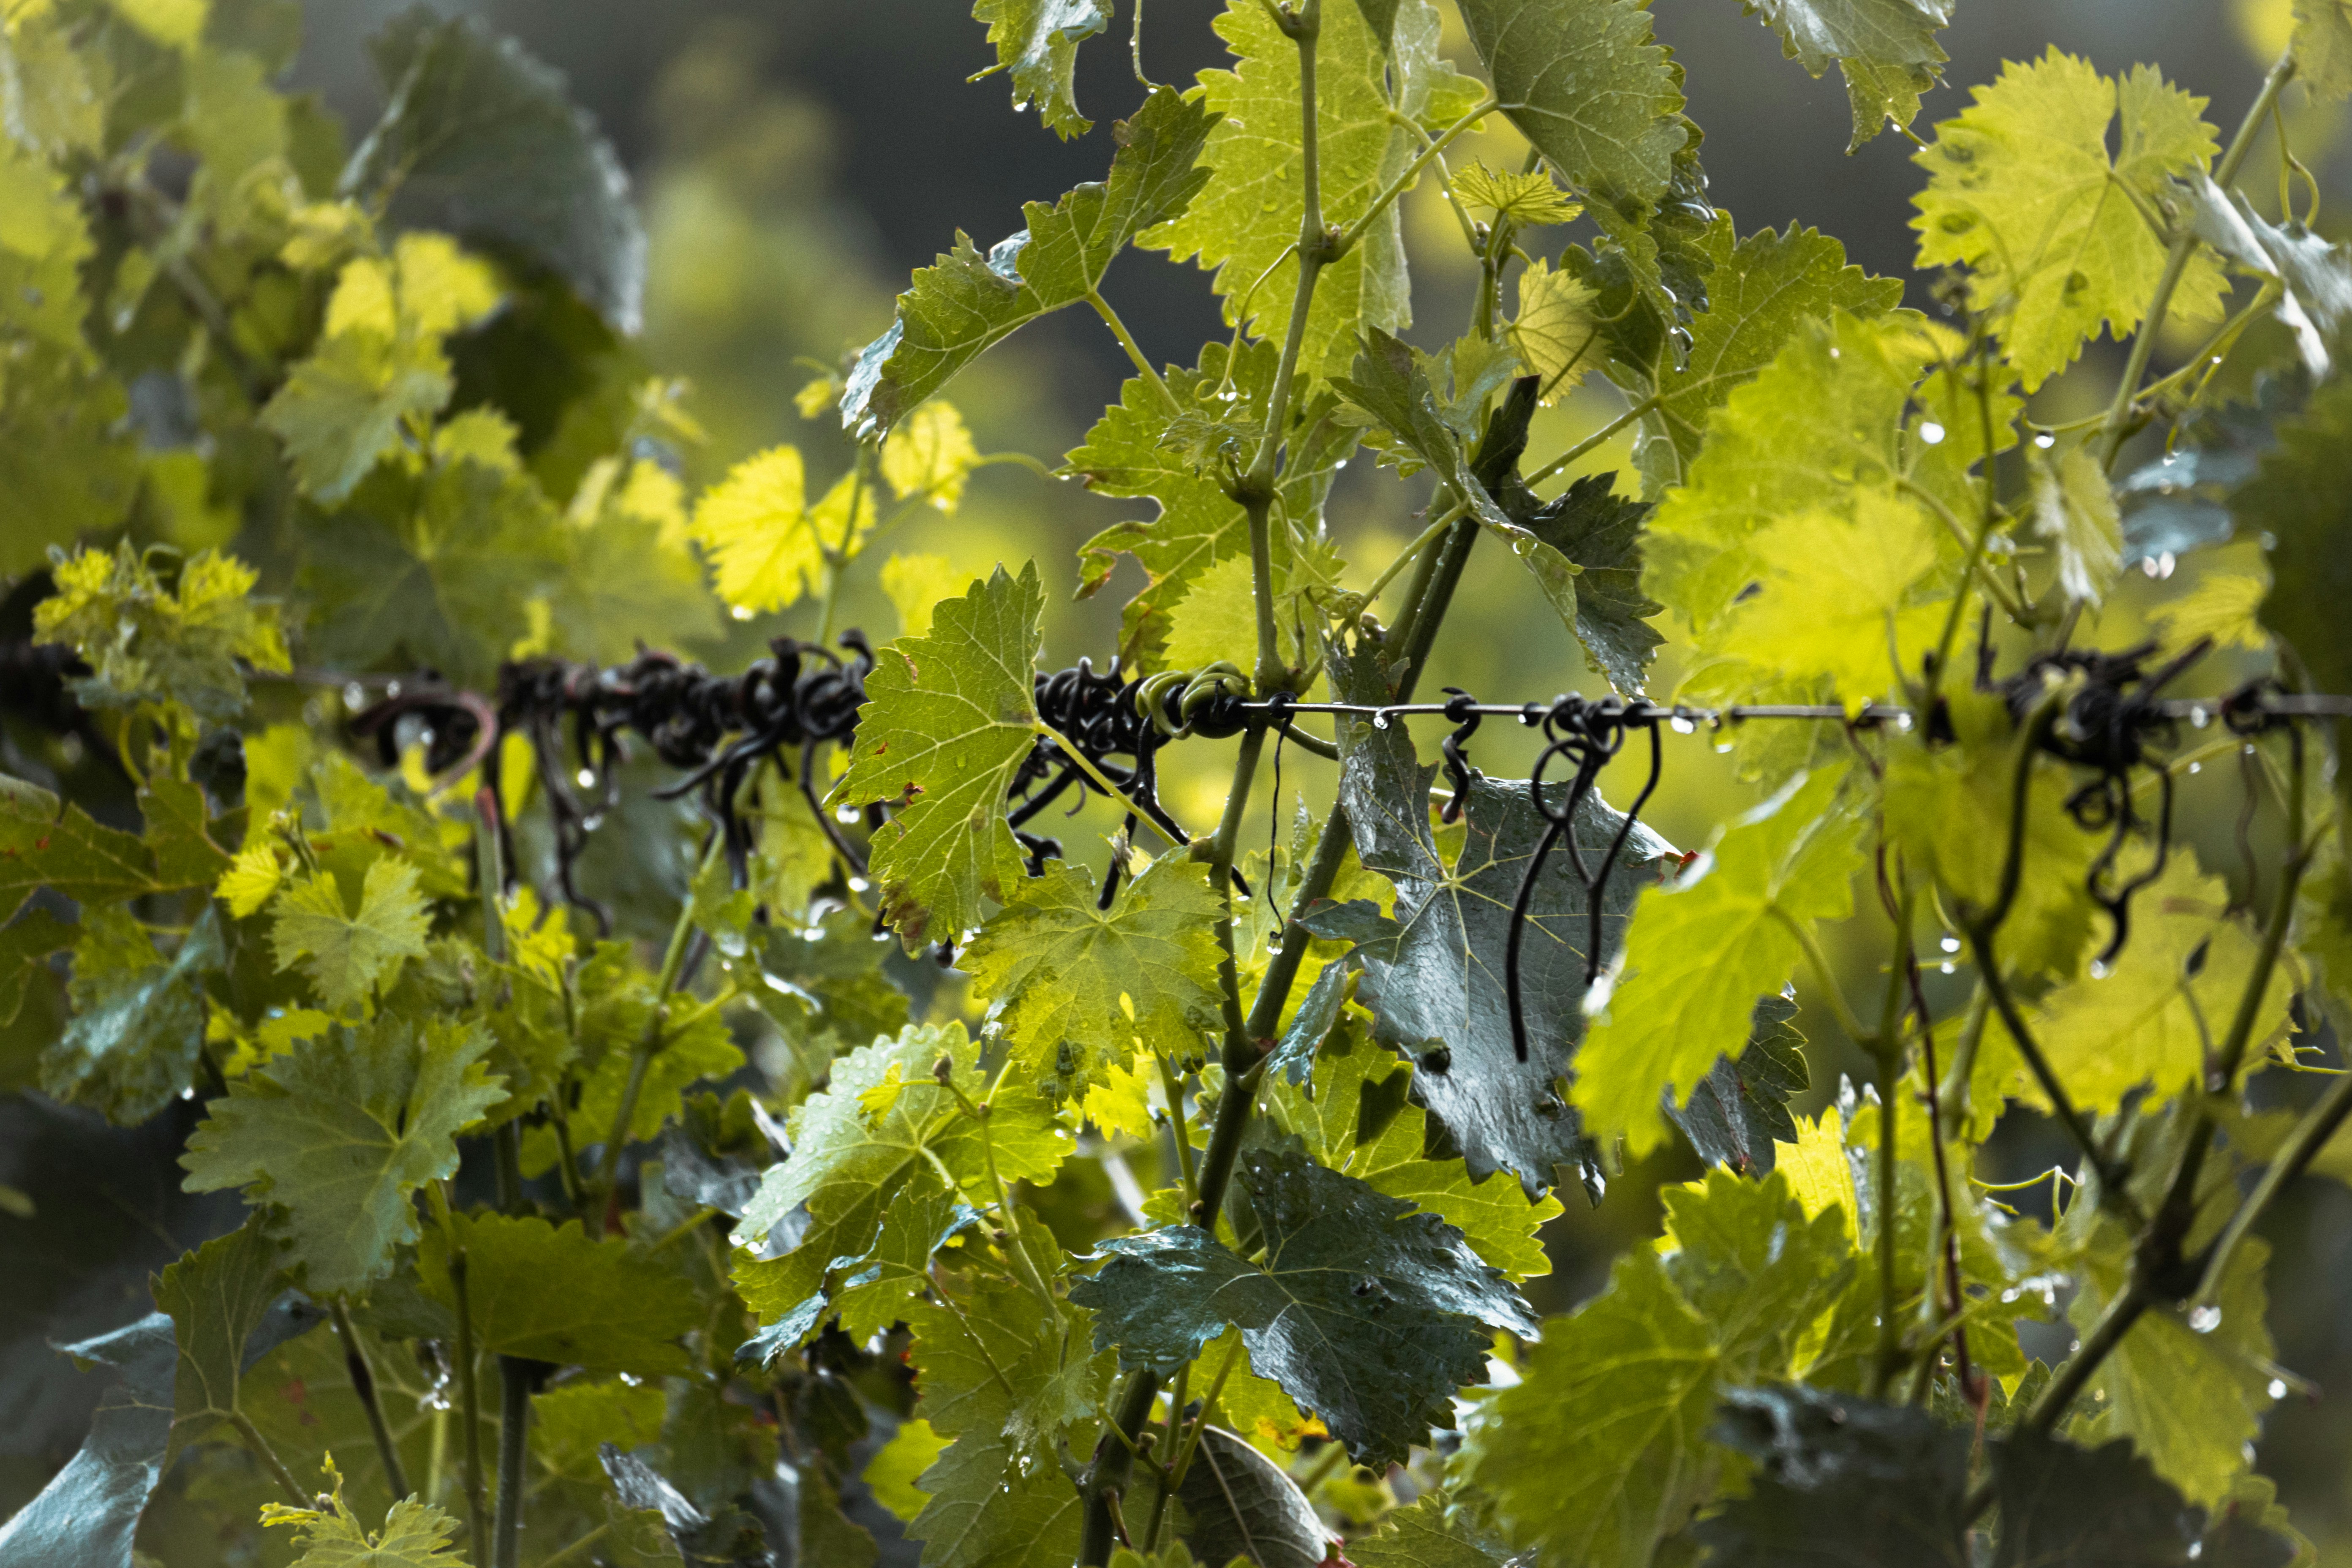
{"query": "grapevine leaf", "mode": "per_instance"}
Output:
(2075, 510)
(967, 302)
(1529, 200)
(1240, 1505)
(46, 244)
(415, 1534)
(2022, 190)
(2146, 1021)
(67, 466)
(1885, 48)
(948, 720)
(1600, 531)
(217, 1296)
(978, 1363)
(1701, 951)
(423, 575)
(88, 1511)
(349, 954)
(1037, 41)
(145, 642)
(550, 1293)
(1557, 330)
(481, 141)
(2313, 280)
(2323, 46)
(914, 584)
(1838, 1480)
(2295, 499)
(26, 944)
(1365, 1311)
(337, 1134)
(1138, 449)
(1429, 1534)
(929, 457)
(1245, 217)
(2062, 1503)
(616, 999)
(1738, 1113)
(1762, 292)
(1362, 1121)
(662, 1525)
(768, 546)
(46, 843)
(890, 1474)
(1293, 1056)
(1080, 989)
(1438, 993)
(628, 573)
(1587, 85)
(138, 1030)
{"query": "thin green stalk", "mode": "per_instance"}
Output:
(1975, 546)
(1411, 553)
(1085, 765)
(1143, 366)
(1886, 1045)
(514, 1433)
(362, 1377)
(477, 1519)
(837, 559)
(1826, 975)
(1314, 248)
(1173, 1086)
(2176, 263)
(1354, 232)
(1598, 438)
(641, 1059)
(581, 1544)
(2310, 1135)
(2113, 1178)
(269, 1458)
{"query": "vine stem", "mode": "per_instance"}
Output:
(268, 1457)
(837, 559)
(1598, 438)
(2176, 263)
(1354, 233)
(362, 1377)
(1886, 1045)
(1086, 766)
(514, 1433)
(641, 1059)
(477, 1523)
(1134, 354)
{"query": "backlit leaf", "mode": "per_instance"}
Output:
(149, 643)
(1585, 83)
(1037, 41)
(550, 1293)
(137, 1035)
(1885, 48)
(350, 954)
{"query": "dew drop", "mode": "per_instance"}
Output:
(2100, 969)
(1949, 944)
(2199, 718)
(1722, 747)
(845, 813)
(2163, 566)
(591, 824)
(2196, 767)
(1932, 432)
(2278, 1388)
(188, 1093)
(2045, 441)
(354, 697)
(859, 884)
(585, 778)
(2205, 1320)
(1380, 720)
(392, 689)
(1684, 727)
(631, 1379)
(1947, 967)
(740, 612)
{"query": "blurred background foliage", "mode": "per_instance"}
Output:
(795, 161)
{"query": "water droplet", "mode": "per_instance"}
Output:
(188, 1093)
(1903, 722)
(1932, 432)
(2045, 441)
(1380, 720)
(1947, 967)
(740, 612)
(1949, 944)
(2164, 564)
(2101, 969)
(1836, 353)
(2196, 767)
(631, 1379)
(354, 697)
(845, 813)
(2199, 718)
(1721, 747)
(585, 778)
(2205, 1320)
(1684, 727)
(591, 824)
(2278, 1388)
(392, 689)
(859, 884)
(2008, 1295)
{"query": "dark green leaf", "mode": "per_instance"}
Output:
(1838, 1480)
(481, 141)
(85, 1517)
(1600, 532)
(1584, 82)
(1037, 41)
(967, 302)
(1439, 993)
(1237, 1503)
(26, 945)
(1431, 1534)
(1366, 1312)
(216, 1296)
(45, 843)
(1740, 1109)
(138, 1029)
(1887, 48)
(2063, 1505)
(2299, 498)
(1294, 1054)
(550, 1293)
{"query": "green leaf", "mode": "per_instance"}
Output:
(1838, 1480)
(2323, 46)
(349, 954)
(1366, 1312)
(2147, 1019)
(88, 1511)
(1818, 428)
(890, 1474)
(438, 573)
(1887, 49)
(481, 141)
(2295, 499)
(2022, 190)
(1431, 1534)
(550, 1293)
(1362, 1121)
(414, 1535)
(1590, 524)
(1738, 1112)
(1237, 1505)
(2075, 510)
(2061, 1503)
(948, 720)
(1137, 449)
(26, 944)
(1081, 989)
(136, 1035)
(1585, 83)
(1249, 212)
(967, 303)
(980, 1362)
(616, 999)
(148, 643)
(1762, 292)
(1037, 41)
(216, 1296)
(768, 546)
(336, 1134)
(48, 843)
(1700, 951)
(41, 259)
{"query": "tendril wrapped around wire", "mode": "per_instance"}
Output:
(2109, 724)
(1589, 734)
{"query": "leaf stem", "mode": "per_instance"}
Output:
(1824, 975)
(514, 1435)
(2310, 1135)
(1085, 765)
(1974, 544)
(362, 1377)
(1173, 1086)
(1598, 438)
(1412, 552)
(477, 1523)
(1134, 354)
(2176, 263)
(268, 1457)
(1886, 1045)
(1355, 232)
(837, 559)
